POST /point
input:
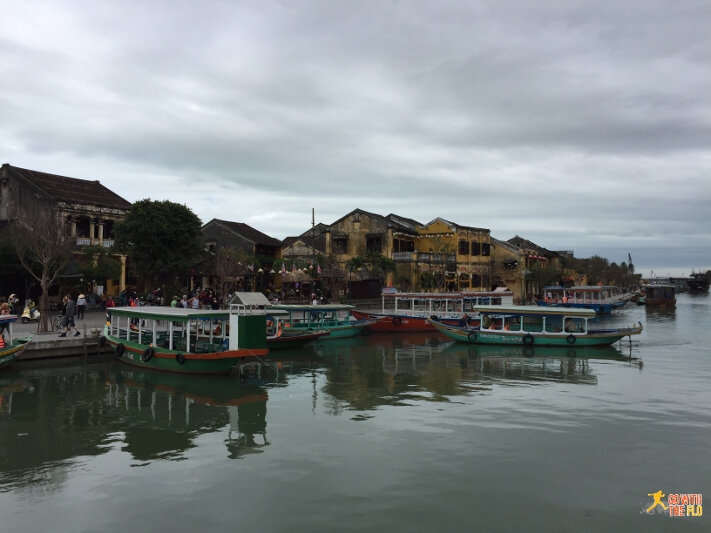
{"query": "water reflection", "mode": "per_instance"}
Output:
(165, 413)
(50, 417)
(375, 370)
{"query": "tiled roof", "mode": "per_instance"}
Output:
(392, 221)
(523, 243)
(70, 190)
(248, 232)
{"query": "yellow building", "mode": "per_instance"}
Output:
(454, 257)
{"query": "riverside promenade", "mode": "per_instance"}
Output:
(50, 345)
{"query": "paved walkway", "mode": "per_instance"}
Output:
(92, 320)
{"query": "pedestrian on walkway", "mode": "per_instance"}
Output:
(81, 306)
(68, 320)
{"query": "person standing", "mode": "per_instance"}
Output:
(68, 321)
(81, 306)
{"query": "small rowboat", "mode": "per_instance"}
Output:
(535, 326)
(11, 349)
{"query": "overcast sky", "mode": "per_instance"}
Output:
(578, 125)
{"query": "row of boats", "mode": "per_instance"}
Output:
(197, 341)
(215, 341)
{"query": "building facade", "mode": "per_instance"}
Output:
(89, 208)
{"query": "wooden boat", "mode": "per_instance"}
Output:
(660, 295)
(279, 337)
(409, 311)
(334, 318)
(11, 349)
(535, 326)
(191, 341)
(602, 299)
(697, 283)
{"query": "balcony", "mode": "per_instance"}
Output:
(86, 241)
(404, 256)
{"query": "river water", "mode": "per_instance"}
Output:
(379, 433)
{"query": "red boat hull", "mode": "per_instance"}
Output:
(392, 322)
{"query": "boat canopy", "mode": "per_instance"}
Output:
(324, 307)
(174, 314)
(534, 310)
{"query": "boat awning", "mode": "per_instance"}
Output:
(174, 314)
(534, 310)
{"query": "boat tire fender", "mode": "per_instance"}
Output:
(472, 336)
(571, 339)
(180, 358)
(120, 348)
(147, 354)
(528, 339)
(434, 317)
(397, 321)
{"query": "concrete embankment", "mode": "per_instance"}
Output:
(51, 346)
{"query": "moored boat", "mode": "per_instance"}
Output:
(12, 348)
(658, 294)
(334, 318)
(280, 338)
(602, 299)
(191, 341)
(697, 282)
(535, 326)
(409, 311)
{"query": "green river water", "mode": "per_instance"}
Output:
(378, 433)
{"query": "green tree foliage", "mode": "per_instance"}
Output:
(161, 238)
(98, 266)
(542, 275)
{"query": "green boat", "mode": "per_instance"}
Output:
(334, 318)
(11, 349)
(534, 326)
(280, 338)
(190, 341)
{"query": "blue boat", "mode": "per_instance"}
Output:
(601, 298)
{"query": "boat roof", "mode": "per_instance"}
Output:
(308, 307)
(447, 295)
(176, 314)
(534, 310)
(580, 287)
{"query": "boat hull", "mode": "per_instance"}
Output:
(342, 331)
(403, 323)
(11, 353)
(166, 360)
(592, 338)
(294, 341)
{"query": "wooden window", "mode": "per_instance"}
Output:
(340, 244)
(463, 248)
(374, 243)
(485, 248)
(475, 248)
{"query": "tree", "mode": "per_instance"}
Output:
(229, 267)
(98, 266)
(161, 238)
(43, 246)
